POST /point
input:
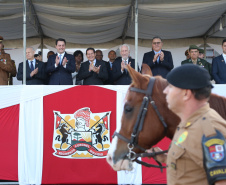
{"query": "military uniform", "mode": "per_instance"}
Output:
(185, 157)
(202, 63)
(7, 67)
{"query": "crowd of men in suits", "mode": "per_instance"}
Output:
(66, 69)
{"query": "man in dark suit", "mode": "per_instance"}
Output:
(160, 61)
(109, 64)
(60, 65)
(219, 66)
(92, 72)
(111, 56)
(35, 70)
(120, 73)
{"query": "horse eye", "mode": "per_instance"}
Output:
(128, 108)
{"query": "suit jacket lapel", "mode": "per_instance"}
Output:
(27, 66)
(132, 63)
(97, 63)
(222, 59)
(36, 64)
(64, 55)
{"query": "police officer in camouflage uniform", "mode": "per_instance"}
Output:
(7, 67)
(194, 59)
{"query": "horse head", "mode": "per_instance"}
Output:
(152, 130)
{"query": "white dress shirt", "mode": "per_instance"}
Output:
(29, 62)
(224, 56)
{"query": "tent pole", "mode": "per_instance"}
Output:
(205, 39)
(136, 35)
(24, 41)
(42, 46)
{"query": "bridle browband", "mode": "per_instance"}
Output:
(133, 141)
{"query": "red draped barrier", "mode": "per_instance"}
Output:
(9, 129)
(79, 171)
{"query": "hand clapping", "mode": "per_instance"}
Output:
(34, 72)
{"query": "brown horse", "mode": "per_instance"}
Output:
(153, 130)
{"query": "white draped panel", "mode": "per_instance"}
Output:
(88, 25)
(172, 21)
(30, 150)
(81, 11)
(91, 38)
(72, 19)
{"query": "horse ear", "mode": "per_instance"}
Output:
(136, 76)
(146, 70)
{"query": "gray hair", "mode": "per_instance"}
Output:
(120, 47)
(30, 48)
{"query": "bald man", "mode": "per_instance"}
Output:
(35, 70)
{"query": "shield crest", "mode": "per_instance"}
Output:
(81, 135)
(216, 152)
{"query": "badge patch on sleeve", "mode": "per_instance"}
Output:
(216, 152)
(182, 138)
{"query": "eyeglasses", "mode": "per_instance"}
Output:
(156, 43)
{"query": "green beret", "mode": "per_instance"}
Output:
(201, 50)
(193, 47)
(189, 76)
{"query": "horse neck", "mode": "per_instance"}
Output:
(218, 103)
(171, 119)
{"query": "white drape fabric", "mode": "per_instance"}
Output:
(30, 150)
(84, 22)
(177, 20)
(126, 177)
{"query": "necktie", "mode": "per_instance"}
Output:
(60, 60)
(158, 59)
(92, 64)
(32, 66)
(194, 62)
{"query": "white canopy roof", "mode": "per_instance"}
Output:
(99, 21)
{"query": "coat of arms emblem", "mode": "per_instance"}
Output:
(81, 135)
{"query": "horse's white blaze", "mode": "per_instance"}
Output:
(113, 146)
(121, 164)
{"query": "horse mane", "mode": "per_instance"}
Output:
(218, 103)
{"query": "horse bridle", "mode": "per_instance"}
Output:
(133, 142)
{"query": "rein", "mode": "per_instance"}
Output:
(133, 142)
